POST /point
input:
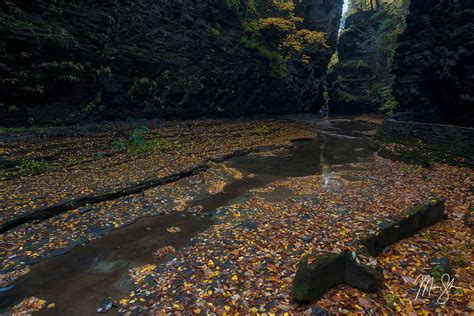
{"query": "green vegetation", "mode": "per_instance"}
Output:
(392, 300)
(96, 103)
(139, 142)
(233, 4)
(392, 24)
(276, 61)
(119, 145)
(289, 39)
(137, 136)
(3, 174)
(99, 156)
(141, 87)
(437, 272)
(365, 5)
(215, 32)
(152, 145)
(262, 129)
(78, 159)
(373, 70)
(18, 129)
(32, 167)
(461, 260)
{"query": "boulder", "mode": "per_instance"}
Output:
(363, 277)
(319, 272)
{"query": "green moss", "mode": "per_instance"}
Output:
(215, 32)
(233, 4)
(99, 156)
(3, 174)
(152, 145)
(95, 104)
(137, 136)
(119, 144)
(32, 167)
(276, 61)
(392, 300)
(262, 129)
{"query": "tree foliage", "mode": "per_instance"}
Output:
(364, 5)
(275, 31)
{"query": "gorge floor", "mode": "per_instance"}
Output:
(244, 224)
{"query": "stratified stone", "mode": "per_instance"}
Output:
(391, 231)
(434, 62)
(81, 60)
(318, 273)
(363, 277)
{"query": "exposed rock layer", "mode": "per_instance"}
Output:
(67, 61)
(434, 63)
(350, 80)
(425, 143)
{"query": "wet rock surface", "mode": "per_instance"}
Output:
(425, 143)
(326, 205)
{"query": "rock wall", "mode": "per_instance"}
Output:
(426, 143)
(350, 81)
(70, 61)
(434, 64)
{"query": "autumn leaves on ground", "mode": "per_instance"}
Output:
(272, 190)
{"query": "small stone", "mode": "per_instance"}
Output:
(249, 225)
(105, 306)
(343, 212)
(439, 267)
(318, 311)
(84, 209)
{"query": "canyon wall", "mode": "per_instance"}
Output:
(351, 79)
(434, 63)
(72, 61)
(361, 80)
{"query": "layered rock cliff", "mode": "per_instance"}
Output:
(351, 79)
(361, 80)
(69, 61)
(434, 64)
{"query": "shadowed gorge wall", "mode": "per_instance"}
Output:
(70, 61)
(434, 64)
(361, 80)
(351, 79)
